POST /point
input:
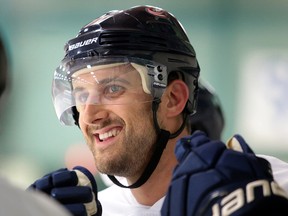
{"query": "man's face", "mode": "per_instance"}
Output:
(115, 117)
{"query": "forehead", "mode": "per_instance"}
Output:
(104, 69)
(106, 73)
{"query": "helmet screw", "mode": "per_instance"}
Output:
(160, 77)
(159, 68)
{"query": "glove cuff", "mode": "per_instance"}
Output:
(246, 197)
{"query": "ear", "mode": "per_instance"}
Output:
(177, 94)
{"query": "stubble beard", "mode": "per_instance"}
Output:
(129, 157)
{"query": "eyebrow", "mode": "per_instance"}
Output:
(101, 82)
(117, 78)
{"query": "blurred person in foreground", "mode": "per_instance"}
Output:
(14, 201)
(129, 81)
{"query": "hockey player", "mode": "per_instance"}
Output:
(129, 80)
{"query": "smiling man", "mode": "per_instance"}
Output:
(131, 92)
(102, 94)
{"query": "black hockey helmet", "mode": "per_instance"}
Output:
(145, 39)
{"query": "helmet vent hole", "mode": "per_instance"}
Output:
(107, 39)
(130, 39)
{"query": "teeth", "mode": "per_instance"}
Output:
(111, 133)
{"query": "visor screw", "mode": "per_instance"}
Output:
(160, 77)
(159, 68)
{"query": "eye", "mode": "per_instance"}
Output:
(113, 91)
(81, 98)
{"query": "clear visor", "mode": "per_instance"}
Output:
(109, 81)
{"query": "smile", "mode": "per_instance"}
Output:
(112, 133)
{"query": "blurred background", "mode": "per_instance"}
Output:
(242, 48)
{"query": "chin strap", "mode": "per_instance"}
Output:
(162, 140)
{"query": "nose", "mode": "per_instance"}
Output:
(92, 114)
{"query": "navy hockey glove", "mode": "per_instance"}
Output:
(75, 189)
(214, 179)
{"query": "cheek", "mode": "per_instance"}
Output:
(137, 117)
(134, 109)
(83, 127)
(142, 111)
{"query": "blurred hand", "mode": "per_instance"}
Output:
(75, 189)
